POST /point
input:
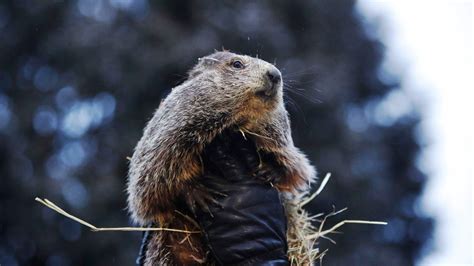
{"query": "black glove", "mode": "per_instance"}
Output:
(249, 226)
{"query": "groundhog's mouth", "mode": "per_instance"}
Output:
(268, 92)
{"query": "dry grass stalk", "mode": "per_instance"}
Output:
(55, 208)
(303, 234)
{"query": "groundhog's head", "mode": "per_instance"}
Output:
(250, 84)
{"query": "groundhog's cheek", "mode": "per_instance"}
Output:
(253, 108)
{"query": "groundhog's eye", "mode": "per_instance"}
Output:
(237, 64)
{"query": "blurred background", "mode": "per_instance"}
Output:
(379, 95)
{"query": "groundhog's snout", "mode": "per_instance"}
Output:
(272, 84)
(274, 75)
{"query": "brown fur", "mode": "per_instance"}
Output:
(166, 163)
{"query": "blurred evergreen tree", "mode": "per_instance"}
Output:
(79, 80)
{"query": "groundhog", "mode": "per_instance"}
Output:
(223, 91)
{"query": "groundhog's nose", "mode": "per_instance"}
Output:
(274, 75)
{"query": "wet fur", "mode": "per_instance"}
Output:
(166, 163)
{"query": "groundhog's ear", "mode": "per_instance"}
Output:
(203, 63)
(207, 61)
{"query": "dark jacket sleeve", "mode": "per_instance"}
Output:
(249, 228)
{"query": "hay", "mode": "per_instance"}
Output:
(303, 234)
(93, 228)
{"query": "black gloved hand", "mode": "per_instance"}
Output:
(249, 226)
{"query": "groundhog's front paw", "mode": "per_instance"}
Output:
(201, 197)
(270, 173)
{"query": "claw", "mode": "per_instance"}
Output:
(215, 192)
(203, 204)
(267, 174)
(201, 197)
(191, 202)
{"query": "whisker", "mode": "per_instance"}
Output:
(293, 88)
(306, 97)
(305, 71)
(296, 107)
